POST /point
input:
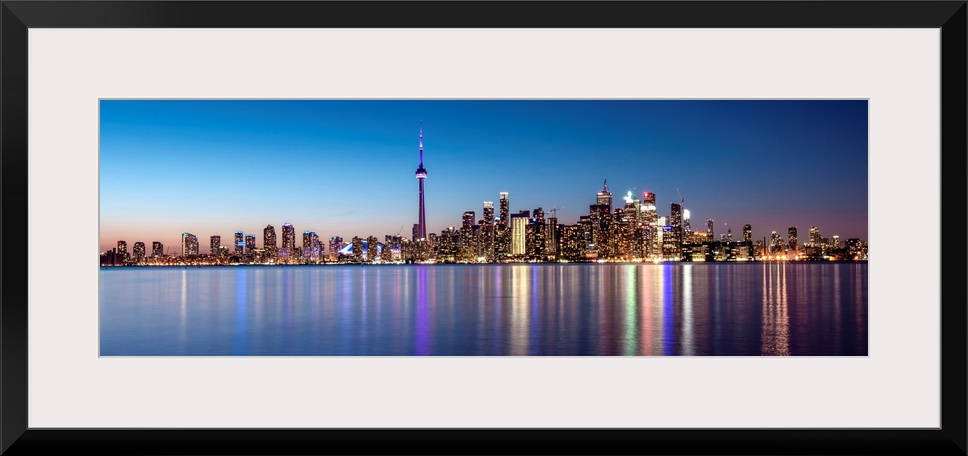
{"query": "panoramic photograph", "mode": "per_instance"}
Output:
(483, 228)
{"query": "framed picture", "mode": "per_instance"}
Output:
(94, 74)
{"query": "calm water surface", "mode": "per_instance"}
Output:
(460, 310)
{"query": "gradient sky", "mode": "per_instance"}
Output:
(346, 167)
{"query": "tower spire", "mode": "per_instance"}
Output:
(421, 143)
(606, 184)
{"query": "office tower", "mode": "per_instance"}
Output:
(792, 237)
(686, 226)
(307, 241)
(372, 248)
(335, 245)
(488, 213)
(505, 209)
(157, 249)
(676, 222)
(729, 234)
(552, 237)
(213, 244)
(269, 241)
(709, 228)
(834, 242)
(604, 197)
(519, 226)
(123, 251)
(649, 215)
(139, 252)
(747, 233)
(815, 237)
(239, 243)
(357, 244)
(776, 243)
(538, 216)
(189, 245)
(467, 220)
(249, 244)
(288, 240)
(421, 231)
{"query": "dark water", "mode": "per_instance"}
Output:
(460, 310)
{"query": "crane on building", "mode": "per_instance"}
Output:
(554, 211)
(682, 201)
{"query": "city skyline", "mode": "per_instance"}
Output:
(225, 166)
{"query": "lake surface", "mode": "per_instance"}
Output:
(703, 309)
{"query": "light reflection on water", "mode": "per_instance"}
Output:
(773, 309)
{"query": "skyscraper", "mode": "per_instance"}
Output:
(467, 220)
(519, 226)
(139, 252)
(747, 233)
(269, 241)
(189, 245)
(604, 197)
(214, 242)
(157, 249)
(505, 209)
(239, 243)
(815, 237)
(249, 244)
(792, 240)
(488, 212)
(421, 174)
(288, 239)
(676, 222)
(709, 228)
(123, 250)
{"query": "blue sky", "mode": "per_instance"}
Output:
(346, 167)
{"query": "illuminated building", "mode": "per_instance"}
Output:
(269, 241)
(249, 244)
(335, 245)
(469, 243)
(815, 240)
(676, 223)
(213, 244)
(552, 238)
(519, 226)
(189, 245)
(572, 243)
(792, 237)
(709, 228)
(604, 197)
(421, 231)
(686, 226)
(157, 249)
(356, 247)
(288, 240)
(488, 213)
(239, 243)
(505, 210)
(467, 220)
(139, 252)
(123, 251)
(649, 216)
(538, 216)
(372, 248)
(747, 233)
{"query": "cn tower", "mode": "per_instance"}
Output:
(421, 175)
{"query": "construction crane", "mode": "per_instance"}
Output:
(554, 211)
(682, 201)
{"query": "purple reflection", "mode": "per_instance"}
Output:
(422, 330)
(668, 305)
(241, 334)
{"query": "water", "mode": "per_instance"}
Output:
(460, 310)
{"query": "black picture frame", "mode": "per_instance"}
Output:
(18, 16)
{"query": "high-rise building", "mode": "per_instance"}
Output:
(357, 248)
(189, 245)
(288, 240)
(709, 228)
(335, 245)
(139, 252)
(815, 240)
(505, 209)
(421, 177)
(269, 241)
(686, 225)
(747, 233)
(213, 244)
(649, 217)
(488, 213)
(123, 251)
(519, 226)
(676, 223)
(467, 220)
(538, 216)
(249, 244)
(604, 197)
(792, 237)
(157, 249)
(372, 248)
(239, 243)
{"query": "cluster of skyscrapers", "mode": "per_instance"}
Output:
(632, 232)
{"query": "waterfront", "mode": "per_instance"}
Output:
(702, 309)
